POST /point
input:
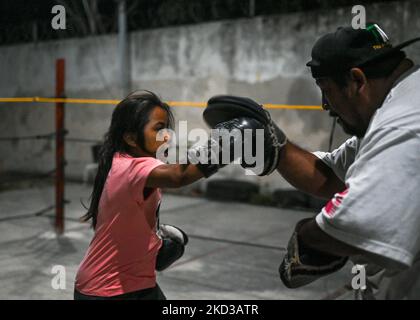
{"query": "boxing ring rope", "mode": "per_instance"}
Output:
(60, 100)
(171, 103)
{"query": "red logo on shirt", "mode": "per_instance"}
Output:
(332, 205)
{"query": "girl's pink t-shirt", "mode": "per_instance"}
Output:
(121, 257)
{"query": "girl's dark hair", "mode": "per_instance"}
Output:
(130, 116)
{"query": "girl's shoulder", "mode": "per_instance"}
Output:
(136, 164)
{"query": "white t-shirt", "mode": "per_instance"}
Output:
(379, 211)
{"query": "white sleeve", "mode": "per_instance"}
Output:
(380, 210)
(341, 158)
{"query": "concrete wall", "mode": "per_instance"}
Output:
(263, 58)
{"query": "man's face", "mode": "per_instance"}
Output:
(342, 104)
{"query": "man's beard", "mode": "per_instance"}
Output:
(350, 129)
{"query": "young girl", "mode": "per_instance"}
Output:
(120, 262)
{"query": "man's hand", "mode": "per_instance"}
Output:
(303, 264)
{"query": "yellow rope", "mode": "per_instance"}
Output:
(171, 103)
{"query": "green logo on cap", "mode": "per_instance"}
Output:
(378, 33)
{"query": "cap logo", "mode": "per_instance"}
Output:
(379, 34)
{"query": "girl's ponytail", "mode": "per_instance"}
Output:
(106, 155)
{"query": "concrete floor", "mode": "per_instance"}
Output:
(234, 250)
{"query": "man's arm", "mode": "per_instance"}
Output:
(308, 173)
(314, 237)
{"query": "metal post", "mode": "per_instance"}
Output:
(34, 32)
(122, 46)
(59, 149)
(251, 8)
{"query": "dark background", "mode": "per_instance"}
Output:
(30, 21)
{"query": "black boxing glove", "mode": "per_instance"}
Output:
(226, 144)
(224, 108)
(302, 265)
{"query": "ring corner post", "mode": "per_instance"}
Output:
(59, 150)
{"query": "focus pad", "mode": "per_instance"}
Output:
(224, 108)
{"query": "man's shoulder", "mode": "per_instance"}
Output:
(401, 107)
(350, 145)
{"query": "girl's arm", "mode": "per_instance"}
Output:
(173, 176)
(178, 175)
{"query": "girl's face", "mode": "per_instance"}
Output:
(158, 120)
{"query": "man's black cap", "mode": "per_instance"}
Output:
(346, 48)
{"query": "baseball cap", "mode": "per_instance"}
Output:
(345, 48)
